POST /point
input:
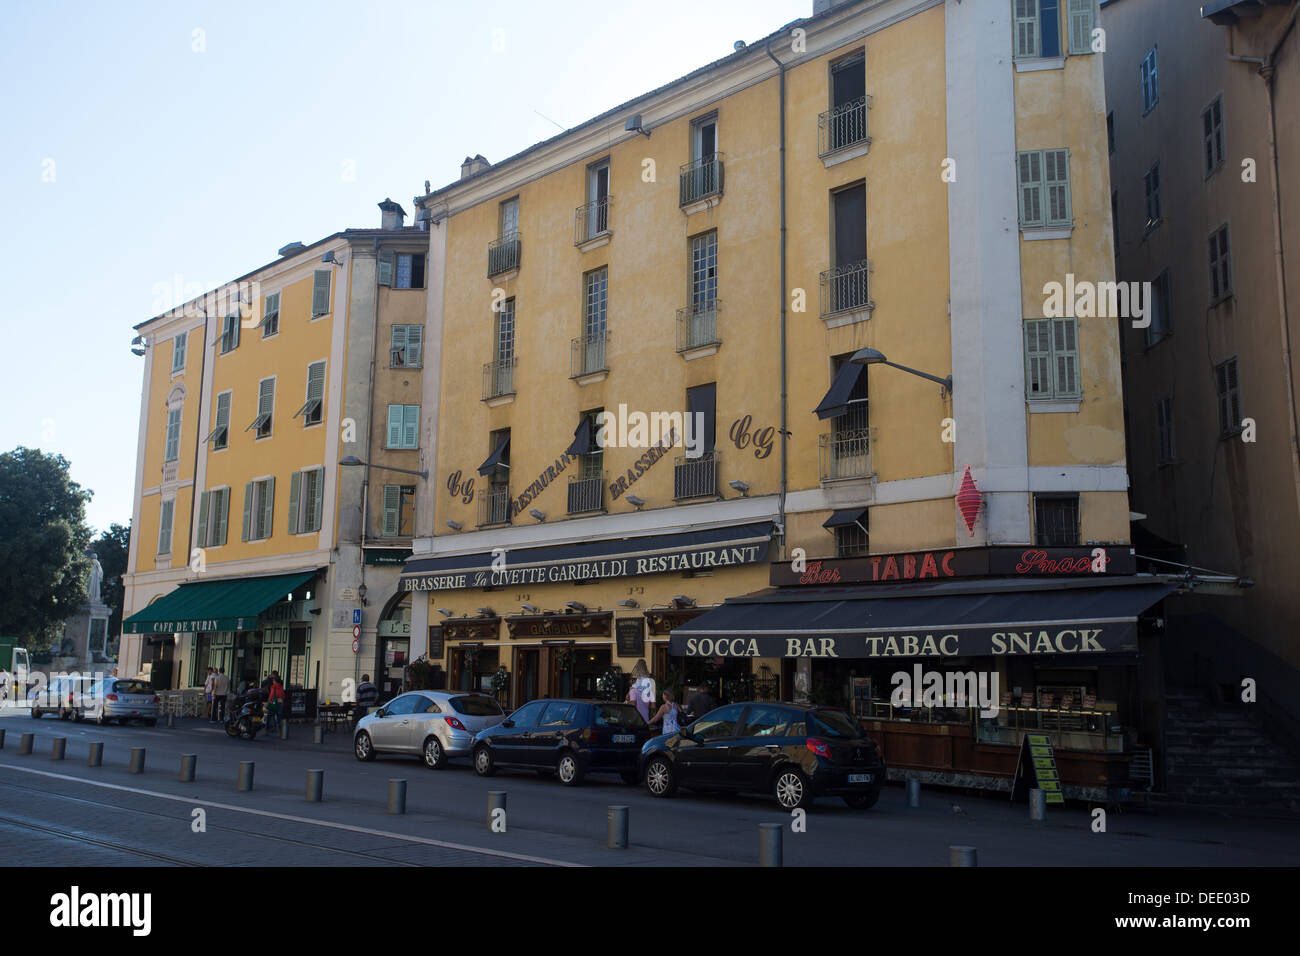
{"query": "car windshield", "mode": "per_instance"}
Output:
(836, 723)
(476, 706)
(132, 687)
(618, 715)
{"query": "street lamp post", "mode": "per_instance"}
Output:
(872, 357)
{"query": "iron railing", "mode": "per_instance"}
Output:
(587, 354)
(842, 127)
(591, 220)
(846, 288)
(845, 454)
(701, 179)
(696, 477)
(586, 494)
(503, 254)
(499, 378)
(697, 325)
(494, 506)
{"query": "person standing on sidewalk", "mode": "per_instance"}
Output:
(667, 714)
(207, 691)
(274, 703)
(642, 692)
(367, 697)
(220, 690)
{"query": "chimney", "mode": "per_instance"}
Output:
(393, 214)
(473, 164)
(821, 6)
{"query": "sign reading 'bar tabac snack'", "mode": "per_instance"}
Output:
(943, 564)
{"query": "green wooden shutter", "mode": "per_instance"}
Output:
(223, 513)
(397, 350)
(295, 489)
(1082, 20)
(395, 426)
(386, 267)
(1029, 184)
(268, 506)
(1026, 27)
(392, 502)
(248, 510)
(223, 410)
(320, 293)
(318, 498)
(414, 346)
(165, 527)
(173, 449)
(178, 352)
(1056, 183)
(411, 426)
(1038, 359)
(316, 381)
(201, 539)
(1065, 358)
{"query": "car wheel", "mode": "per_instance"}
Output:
(660, 779)
(484, 765)
(363, 748)
(102, 719)
(435, 758)
(791, 790)
(36, 713)
(568, 769)
(630, 778)
(862, 801)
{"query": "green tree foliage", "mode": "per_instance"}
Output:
(111, 548)
(43, 542)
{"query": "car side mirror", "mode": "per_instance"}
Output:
(381, 712)
(507, 722)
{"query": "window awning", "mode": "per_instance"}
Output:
(494, 459)
(846, 516)
(971, 619)
(232, 604)
(836, 402)
(581, 438)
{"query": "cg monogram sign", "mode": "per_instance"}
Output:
(760, 438)
(462, 487)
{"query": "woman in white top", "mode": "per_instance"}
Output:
(642, 692)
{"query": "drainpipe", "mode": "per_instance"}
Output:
(198, 437)
(370, 447)
(782, 292)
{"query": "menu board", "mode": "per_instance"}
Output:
(435, 641)
(1036, 769)
(630, 635)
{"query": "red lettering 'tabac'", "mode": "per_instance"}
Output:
(909, 566)
(928, 569)
(891, 569)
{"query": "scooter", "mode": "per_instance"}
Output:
(249, 719)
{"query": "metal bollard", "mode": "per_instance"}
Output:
(1037, 805)
(188, 762)
(284, 730)
(60, 748)
(137, 760)
(913, 792)
(396, 796)
(25, 744)
(171, 720)
(245, 780)
(962, 856)
(496, 801)
(617, 828)
(2, 738)
(96, 758)
(315, 786)
(769, 844)
(318, 734)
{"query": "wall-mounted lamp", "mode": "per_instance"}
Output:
(328, 258)
(444, 612)
(139, 345)
(539, 515)
(872, 357)
(529, 608)
(485, 612)
(738, 485)
(576, 606)
(454, 525)
(361, 593)
(635, 501)
(628, 602)
(353, 460)
(681, 600)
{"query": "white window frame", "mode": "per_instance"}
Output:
(1041, 187)
(1214, 146)
(1054, 354)
(1150, 76)
(1220, 265)
(406, 427)
(397, 270)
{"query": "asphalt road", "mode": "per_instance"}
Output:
(64, 813)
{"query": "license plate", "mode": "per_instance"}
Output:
(625, 738)
(859, 778)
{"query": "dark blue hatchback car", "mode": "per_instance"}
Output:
(568, 738)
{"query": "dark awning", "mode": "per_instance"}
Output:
(836, 402)
(972, 619)
(581, 438)
(846, 516)
(494, 459)
(232, 604)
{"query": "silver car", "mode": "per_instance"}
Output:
(434, 724)
(120, 699)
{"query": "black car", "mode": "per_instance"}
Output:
(569, 738)
(795, 752)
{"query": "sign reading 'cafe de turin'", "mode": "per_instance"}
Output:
(951, 563)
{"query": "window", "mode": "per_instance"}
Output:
(399, 511)
(719, 723)
(764, 721)
(558, 714)
(1150, 86)
(410, 271)
(598, 199)
(704, 272)
(320, 293)
(851, 541)
(305, 499)
(261, 425)
(701, 405)
(846, 122)
(165, 527)
(271, 315)
(1165, 429)
(406, 347)
(403, 426)
(526, 716)
(1043, 181)
(1160, 310)
(259, 503)
(220, 434)
(1082, 19)
(214, 511)
(312, 410)
(495, 508)
(1038, 28)
(1225, 380)
(1212, 125)
(406, 704)
(178, 352)
(1056, 520)
(1051, 359)
(509, 218)
(1110, 132)
(1220, 265)
(595, 302)
(704, 138)
(849, 209)
(173, 434)
(230, 333)
(1151, 188)
(505, 333)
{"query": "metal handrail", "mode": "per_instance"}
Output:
(494, 507)
(846, 288)
(845, 454)
(504, 254)
(499, 378)
(843, 126)
(695, 477)
(586, 494)
(697, 326)
(701, 178)
(591, 220)
(587, 354)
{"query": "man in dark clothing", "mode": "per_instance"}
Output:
(699, 704)
(367, 697)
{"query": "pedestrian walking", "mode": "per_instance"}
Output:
(220, 691)
(207, 690)
(642, 692)
(367, 697)
(699, 703)
(668, 713)
(274, 702)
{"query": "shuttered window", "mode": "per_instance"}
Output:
(165, 527)
(271, 315)
(1165, 429)
(1051, 359)
(407, 347)
(410, 271)
(1225, 381)
(220, 434)
(178, 352)
(403, 426)
(386, 267)
(1083, 19)
(320, 293)
(305, 500)
(265, 408)
(230, 333)
(312, 410)
(1212, 128)
(173, 434)
(399, 510)
(1150, 84)
(259, 503)
(1220, 265)
(1026, 22)
(1043, 184)
(214, 509)
(1151, 190)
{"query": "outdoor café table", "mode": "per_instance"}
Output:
(332, 714)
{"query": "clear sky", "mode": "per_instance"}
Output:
(139, 154)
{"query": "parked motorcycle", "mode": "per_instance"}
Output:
(248, 719)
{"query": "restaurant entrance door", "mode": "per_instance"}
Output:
(528, 673)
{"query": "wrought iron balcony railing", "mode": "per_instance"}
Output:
(494, 506)
(696, 477)
(845, 454)
(587, 354)
(842, 127)
(591, 221)
(846, 288)
(697, 326)
(503, 254)
(586, 494)
(701, 179)
(499, 378)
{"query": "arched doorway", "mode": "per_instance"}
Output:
(393, 647)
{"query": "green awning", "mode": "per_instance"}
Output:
(229, 605)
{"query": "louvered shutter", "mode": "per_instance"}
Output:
(1065, 356)
(386, 268)
(320, 293)
(223, 513)
(223, 413)
(1056, 182)
(316, 381)
(1082, 14)
(266, 401)
(392, 502)
(397, 351)
(394, 426)
(248, 511)
(318, 498)
(411, 426)
(414, 345)
(295, 489)
(165, 527)
(1038, 359)
(1026, 27)
(268, 506)
(1029, 183)
(201, 539)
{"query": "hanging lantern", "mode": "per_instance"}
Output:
(969, 501)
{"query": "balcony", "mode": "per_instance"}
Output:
(697, 330)
(701, 183)
(591, 224)
(587, 363)
(843, 129)
(586, 494)
(503, 256)
(499, 381)
(845, 454)
(695, 477)
(494, 506)
(846, 293)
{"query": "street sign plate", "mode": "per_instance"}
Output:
(356, 615)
